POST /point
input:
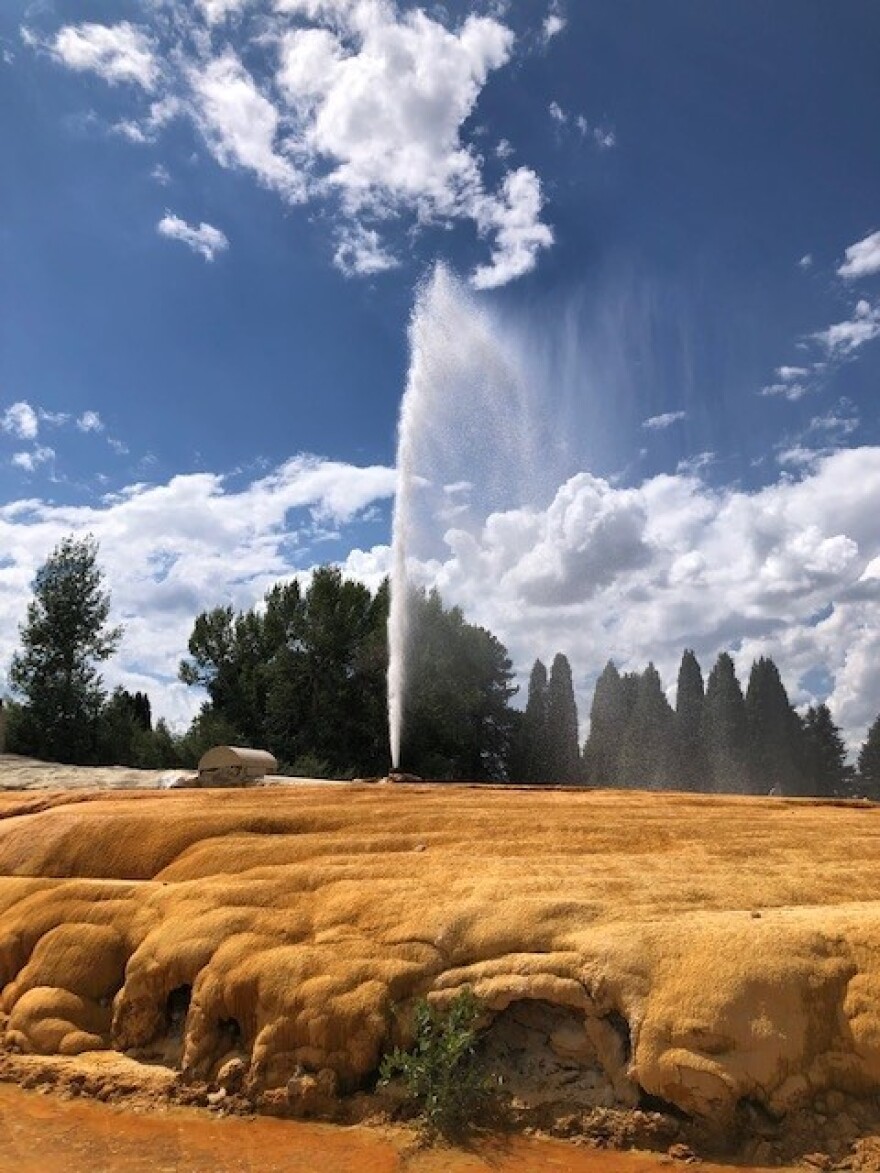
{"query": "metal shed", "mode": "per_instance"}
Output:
(234, 765)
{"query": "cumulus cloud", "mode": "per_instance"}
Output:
(640, 573)
(173, 549)
(117, 53)
(357, 102)
(519, 233)
(862, 258)
(656, 423)
(204, 239)
(20, 420)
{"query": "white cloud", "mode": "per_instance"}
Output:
(204, 239)
(557, 113)
(171, 550)
(147, 129)
(360, 252)
(359, 104)
(862, 258)
(31, 461)
(786, 390)
(843, 339)
(657, 422)
(520, 235)
(553, 25)
(806, 261)
(241, 124)
(640, 573)
(20, 419)
(790, 374)
(216, 11)
(161, 174)
(90, 421)
(117, 53)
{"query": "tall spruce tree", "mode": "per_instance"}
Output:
(869, 763)
(689, 704)
(63, 639)
(608, 718)
(774, 733)
(530, 752)
(725, 730)
(824, 765)
(649, 756)
(563, 753)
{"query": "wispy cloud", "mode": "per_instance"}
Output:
(657, 423)
(90, 421)
(117, 53)
(360, 252)
(204, 239)
(31, 461)
(843, 339)
(862, 258)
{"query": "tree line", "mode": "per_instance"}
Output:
(303, 674)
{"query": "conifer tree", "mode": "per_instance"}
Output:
(824, 759)
(608, 718)
(563, 755)
(725, 731)
(531, 753)
(689, 704)
(869, 763)
(774, 733)
(648, 759)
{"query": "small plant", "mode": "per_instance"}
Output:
(442, 1072)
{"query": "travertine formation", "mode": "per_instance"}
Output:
(702, 950)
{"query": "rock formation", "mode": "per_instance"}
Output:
(703, 951)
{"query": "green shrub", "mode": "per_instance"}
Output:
(443, 1072)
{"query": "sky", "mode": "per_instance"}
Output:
(215, 220)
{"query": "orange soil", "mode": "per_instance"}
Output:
(719, 954)
(39, 1133)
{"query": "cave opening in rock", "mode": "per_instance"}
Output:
(176, 1010)
(230, 1035)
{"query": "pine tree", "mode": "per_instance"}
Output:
(774, 733)
(869, 763)
(608, 719)
(648, 760)
(63, 640)
(563, 755)
(530, 753)
(689, 705)
(725, 731)
(824, 759)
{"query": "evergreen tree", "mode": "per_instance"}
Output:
(614, 699)
(689, 704)
(649, 757)
(824, 758)
(725, 730)
(869, 763)
(774, 733)
(563, 754)
(64, 638)
(530, 743)
(457, 719)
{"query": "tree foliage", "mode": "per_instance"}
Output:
(63, 640)
(562, 748)
(774, 733)
(725, 729)
(869, 763)
(693, 765)
(825, 771)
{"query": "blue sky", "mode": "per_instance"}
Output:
(214, 218)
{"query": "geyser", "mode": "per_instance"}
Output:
(468, 438)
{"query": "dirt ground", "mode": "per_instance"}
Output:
(39, 1133)
(675, 971)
